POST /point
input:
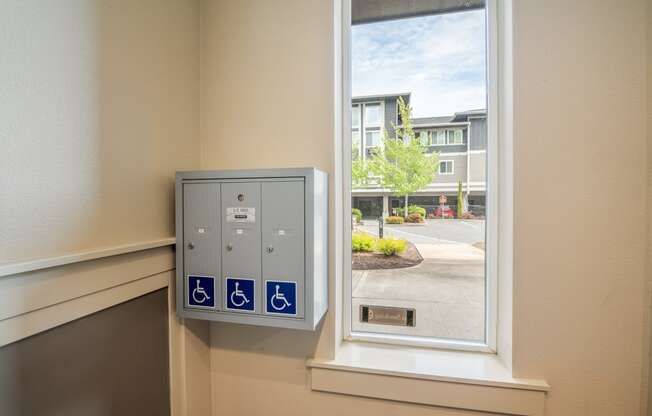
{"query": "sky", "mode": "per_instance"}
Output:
(440, 59)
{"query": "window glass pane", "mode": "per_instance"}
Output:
(431, 287)
(372, 114)
(355, 116)
(356, 144)
(458, 137)
(423, 137)
(441, 137)
(373, 138)
(446, 167)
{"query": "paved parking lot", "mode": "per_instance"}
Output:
(446, 289)
(433, 231)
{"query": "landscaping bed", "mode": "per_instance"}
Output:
(369, 261)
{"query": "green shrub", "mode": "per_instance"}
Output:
(415, 217)
(362, 242)
(357, 214)
(391, 246)
(394, 220)
(411, 210)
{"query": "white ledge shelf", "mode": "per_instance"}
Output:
(463, 380)
(76, 257)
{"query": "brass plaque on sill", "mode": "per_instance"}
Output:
(387, 315)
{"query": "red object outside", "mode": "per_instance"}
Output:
(444, 212)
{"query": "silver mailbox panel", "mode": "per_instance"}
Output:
(283, 245)
(201, 233)
(241, 254)
(252, 246)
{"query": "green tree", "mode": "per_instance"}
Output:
(460, 201)
(402, 163)
(359, 169)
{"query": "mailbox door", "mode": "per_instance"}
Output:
(283, 248)
(241, 246)
(201, 234)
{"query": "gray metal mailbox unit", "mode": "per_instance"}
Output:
(252, 246)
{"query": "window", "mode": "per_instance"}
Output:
(372, 138)
(446, 167)
(357, 147)
(454, 137)
(424, 138)
(372, 114)
(355, 116)
(393, 298)
(439, 137)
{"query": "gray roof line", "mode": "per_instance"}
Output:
(400, 94)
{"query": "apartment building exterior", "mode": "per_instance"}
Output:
(459, 139)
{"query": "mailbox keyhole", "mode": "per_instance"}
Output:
(240, 197)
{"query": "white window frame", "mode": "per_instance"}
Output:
(371, 127)
(452, 162)
(379, 104)
(367, 131)
(491, 265)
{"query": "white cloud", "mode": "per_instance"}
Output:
(439, 59)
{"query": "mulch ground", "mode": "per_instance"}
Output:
(370, 261)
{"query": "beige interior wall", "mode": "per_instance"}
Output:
(580, 202)
(267, 96)
(579, 99)
(98, 107)
(647, 387)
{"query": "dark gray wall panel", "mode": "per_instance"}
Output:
(114, 362)
(478, 133)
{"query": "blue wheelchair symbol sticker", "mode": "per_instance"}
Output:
(281, 297)
(240, 294)
(201, 291)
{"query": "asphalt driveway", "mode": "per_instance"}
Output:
(433, 231)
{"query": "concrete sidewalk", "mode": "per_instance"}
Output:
(446, 289)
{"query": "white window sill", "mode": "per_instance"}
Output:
(463, 380)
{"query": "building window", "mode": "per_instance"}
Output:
(424, 138)
(357, 146)
(372, 138)
(372, 114)
(446, 167)
(454, 137)
(355, 116)
(439, 137)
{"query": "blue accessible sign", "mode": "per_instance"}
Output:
(240, 294)
(201, 291)
(281, 297)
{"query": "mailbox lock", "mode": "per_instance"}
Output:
(270, 249)
(191, 246)
(229, 247)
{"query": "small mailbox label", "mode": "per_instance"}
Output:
(240, 214)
